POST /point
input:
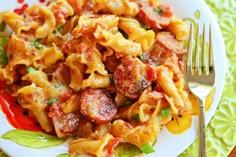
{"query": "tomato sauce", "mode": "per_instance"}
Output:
(16, 115)
(21, 10)
(42, 1)
(20, 1)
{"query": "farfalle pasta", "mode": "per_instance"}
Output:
(103, 72)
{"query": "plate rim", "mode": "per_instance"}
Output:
(217, 29)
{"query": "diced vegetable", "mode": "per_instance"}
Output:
(165, 112)
(141, 56)
(51, 101)
(147, 148)
(30, 70)
(58, 30)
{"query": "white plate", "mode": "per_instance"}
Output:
(168, 145)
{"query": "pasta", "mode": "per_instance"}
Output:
(117, 7)
(32, 98)
(102, 71)
(117, 42)
(136, 33)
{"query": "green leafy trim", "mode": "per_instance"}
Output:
(32, 139)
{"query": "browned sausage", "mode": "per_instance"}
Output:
(65, 124)
(62, 74)
(131, 77)
(156, 19)
(97, 106)
(165, 48)
(170, 43)
(112, 62)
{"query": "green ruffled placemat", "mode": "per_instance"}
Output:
(221, 132)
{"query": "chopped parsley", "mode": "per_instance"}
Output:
(51, 101)
(59, 29)
(160, 10)
(36, 44)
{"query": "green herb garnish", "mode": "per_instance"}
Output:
(147, 148)
(160, 10)
(51, 101)
(165, 112)
(141, 56)
(36, 44)
(59, 29)
(30, 70)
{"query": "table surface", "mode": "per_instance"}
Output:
(221, 144)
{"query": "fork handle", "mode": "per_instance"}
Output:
(202, 132)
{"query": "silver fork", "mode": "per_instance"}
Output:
(200, 76)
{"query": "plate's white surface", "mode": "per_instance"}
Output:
(168, 145)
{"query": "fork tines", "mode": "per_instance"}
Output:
(202, 63)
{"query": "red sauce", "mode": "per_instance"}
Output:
(21, 10)
(16, 115)
(20, 1)
(42, 1)
(2, 85)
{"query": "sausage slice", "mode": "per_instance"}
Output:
(156, 19)
(131, 77)
(97, 106)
